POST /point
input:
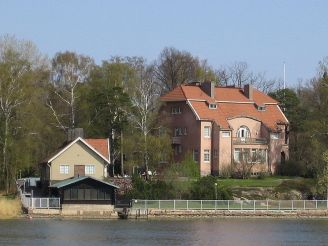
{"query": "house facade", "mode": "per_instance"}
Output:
(81, 157)
(221, 126)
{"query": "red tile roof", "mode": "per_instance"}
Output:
(101, 145)
(231, 103)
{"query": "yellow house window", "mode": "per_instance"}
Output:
(89, 169)
(64, 169)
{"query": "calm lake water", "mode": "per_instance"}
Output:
(219, 231)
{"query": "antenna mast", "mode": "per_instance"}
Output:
(284, 75)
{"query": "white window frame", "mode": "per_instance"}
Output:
(226, 134)
(243, 132)
(64, 169)
(207, 132)
(207, 155)
(275, 136)
(212, 106)
(89, 169)
(236, 155)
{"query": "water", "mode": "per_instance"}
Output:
(219, 231)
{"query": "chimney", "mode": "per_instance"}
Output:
(74, 133)
(209, 88)
(248, 91)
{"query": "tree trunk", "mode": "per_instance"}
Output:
(4, 153)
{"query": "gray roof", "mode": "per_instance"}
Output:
(70, 181)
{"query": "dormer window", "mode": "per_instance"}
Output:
(243, 133)
(261, 107)
(212, 106)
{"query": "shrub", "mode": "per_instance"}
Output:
(291, 168)
(204, 188)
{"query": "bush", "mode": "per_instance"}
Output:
(226, 172)
(204, 188)
(291, 168)
(152, 190)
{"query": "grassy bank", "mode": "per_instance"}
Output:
(9, 208)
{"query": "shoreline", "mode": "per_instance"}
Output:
(155, 214)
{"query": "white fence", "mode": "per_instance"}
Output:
(243, 205)
(39, 202)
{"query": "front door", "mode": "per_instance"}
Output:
(79, 170)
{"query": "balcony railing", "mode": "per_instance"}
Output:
(176, 140)
(249, 141)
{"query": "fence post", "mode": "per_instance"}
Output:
(48, 202)
(304, 204)
(174, 205)
(145, 204)
(32, 202)
(241, 205)
(316, 204)
(229, 205)
(159, 204)
(254, 205)
(201, 204)
(215, 204)
(292, 204)
(187, 204)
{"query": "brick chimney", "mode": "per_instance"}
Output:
(74, 133)
(209, 88)
(248, 91)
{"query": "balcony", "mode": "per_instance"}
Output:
(176, 140)
(249, 141)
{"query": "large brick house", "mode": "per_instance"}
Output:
(218, 124)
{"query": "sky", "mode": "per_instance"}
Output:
(263, 33)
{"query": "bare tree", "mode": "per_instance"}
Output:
(238, 74)
(68, 70)
(174, 67)
(247, 160)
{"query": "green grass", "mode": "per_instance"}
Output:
(273, 181)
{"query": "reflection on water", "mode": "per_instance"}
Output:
(228, 231)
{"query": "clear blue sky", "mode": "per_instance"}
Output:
(263, 33)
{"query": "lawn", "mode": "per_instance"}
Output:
(272, 181)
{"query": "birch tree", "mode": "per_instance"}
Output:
(144, 104)
(68, 71)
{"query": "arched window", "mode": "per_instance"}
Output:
(243, 132)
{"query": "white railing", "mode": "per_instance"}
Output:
(243, 205)
(45, 202)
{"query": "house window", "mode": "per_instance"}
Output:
(212, 106)
(64, 169)
(89, 169)
(261, 107)
(206, 155)
(262, 156)
(177, 149)
(254, 156)
(236, 155)
(207, 131)
(274, 135)
(195, 155)
(178, 131)
(226, 134)
(176, 110)
(243, 132)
